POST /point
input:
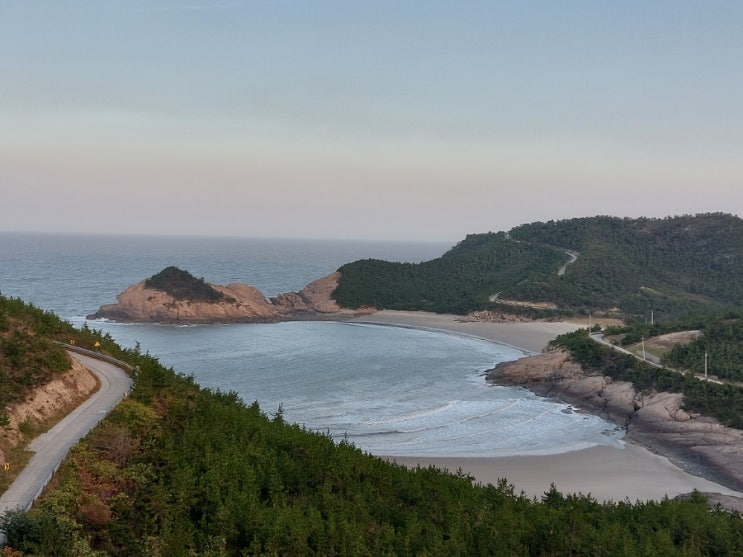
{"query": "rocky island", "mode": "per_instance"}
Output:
(175, 296)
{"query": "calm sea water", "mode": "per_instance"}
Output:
(388, 390)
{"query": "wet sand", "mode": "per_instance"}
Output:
(608, 474)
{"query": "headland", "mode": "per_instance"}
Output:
(654, 462)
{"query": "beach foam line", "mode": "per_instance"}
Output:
(606, 473)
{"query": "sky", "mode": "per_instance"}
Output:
(390, 120)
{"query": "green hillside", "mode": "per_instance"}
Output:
(722, 341)
(29, 353)
(28, 357)
(460, 281)
(630, 267)
(179, 470)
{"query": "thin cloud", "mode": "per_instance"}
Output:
(195, 7)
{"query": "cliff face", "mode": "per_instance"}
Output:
(242, 304)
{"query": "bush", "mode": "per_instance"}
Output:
(182, 285)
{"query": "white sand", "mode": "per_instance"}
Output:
(607, 474)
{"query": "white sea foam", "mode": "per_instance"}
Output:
(367, 385)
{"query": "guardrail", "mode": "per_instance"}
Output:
(96, 355)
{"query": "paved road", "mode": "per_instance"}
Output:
(573, 255)
(52, 447)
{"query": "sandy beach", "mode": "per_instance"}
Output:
(529, 337)
(608, 474)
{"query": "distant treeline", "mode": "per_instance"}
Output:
(673, 267)
(179, 470)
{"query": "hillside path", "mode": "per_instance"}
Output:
(573, 255)
(51, 447)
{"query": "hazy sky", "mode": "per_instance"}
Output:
(365, 118)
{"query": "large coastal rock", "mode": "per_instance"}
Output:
(698, 444)
(238, 303)
(315, 298)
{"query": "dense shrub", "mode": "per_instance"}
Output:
(182, 285)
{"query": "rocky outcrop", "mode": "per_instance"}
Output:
(241, 303)
(315, 298)
(553, 374)
(698, 444)
(138, 303)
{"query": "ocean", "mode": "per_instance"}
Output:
(388, 390)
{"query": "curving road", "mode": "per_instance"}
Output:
(573, 255)
(52, 447)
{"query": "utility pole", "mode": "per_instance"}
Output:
(643, 348)
(705, 365)
(652, 316)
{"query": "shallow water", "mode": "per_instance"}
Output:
(388, 390)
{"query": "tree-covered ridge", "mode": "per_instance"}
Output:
(460, 281)
(182, 285)
(722, 341)
(674, 266)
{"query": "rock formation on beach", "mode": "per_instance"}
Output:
(696, 443)
(152, 301)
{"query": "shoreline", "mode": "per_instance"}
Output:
(529, 337)
(635, 472)
(605, 473)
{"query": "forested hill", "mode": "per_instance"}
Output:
(672, 266)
